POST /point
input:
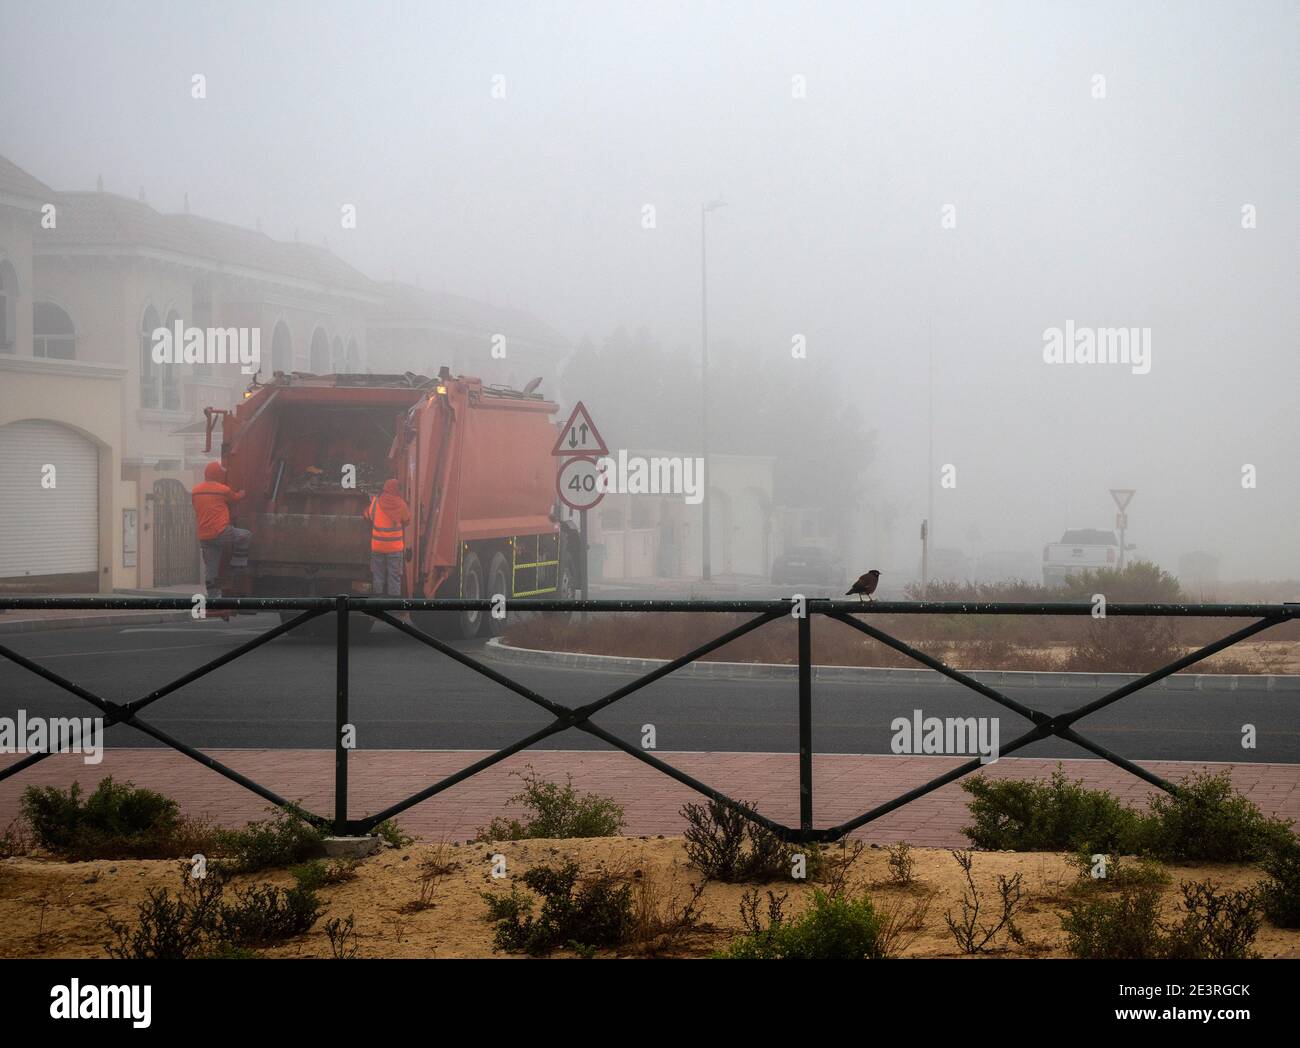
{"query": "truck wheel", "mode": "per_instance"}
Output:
(471, 588)
(498, 582)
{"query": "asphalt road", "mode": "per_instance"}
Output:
(407, 696)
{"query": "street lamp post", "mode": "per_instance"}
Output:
(704, 375)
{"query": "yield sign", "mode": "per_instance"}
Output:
(580, 435)
(1122, 496)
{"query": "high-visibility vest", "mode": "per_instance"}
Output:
(385, 532)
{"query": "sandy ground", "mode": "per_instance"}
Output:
(56, 909)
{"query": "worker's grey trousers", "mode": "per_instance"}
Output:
(386, 574)
(237, 538)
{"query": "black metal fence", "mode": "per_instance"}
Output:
(855, 615)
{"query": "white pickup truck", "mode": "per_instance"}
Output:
(1081, 549)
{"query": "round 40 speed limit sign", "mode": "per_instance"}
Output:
(577, 483)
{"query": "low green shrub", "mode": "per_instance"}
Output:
(282, 840)
(1279, 892)
(1213, 925)
(116, 821)
(1207, 820)
(1110, 927)
(556, 811)
(263, 914)
(316, 874)
(1056, 815)
(832, 929)
(726, 845)
(583, 915)
(121, 821)
(172, 928)
(393, 835)
(198, 921)
(1116, 872)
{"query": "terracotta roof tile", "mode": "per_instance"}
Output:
(91, 219)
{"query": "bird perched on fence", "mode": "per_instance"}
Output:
(865, 586)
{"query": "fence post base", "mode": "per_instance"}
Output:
(351, 847)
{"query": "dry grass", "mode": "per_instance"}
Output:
(433, 868)
(903, 920)
(15, 839)
(1042, 643)
(666, 909)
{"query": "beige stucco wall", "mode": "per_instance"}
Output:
(107, 300)
(107, 304)
(86, 399)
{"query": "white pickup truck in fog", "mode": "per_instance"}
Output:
(1080, 549)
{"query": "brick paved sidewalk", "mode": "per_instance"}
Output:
(844, 785)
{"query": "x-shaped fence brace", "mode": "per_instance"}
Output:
(1044, 725)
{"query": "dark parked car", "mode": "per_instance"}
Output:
(808, 564)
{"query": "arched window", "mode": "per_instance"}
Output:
(281, 349)
(201, 312)
(8, 307)
(320, 352)
(353, 357)
(150, 373)
(338, 363)
(53, 335)
(171, 388)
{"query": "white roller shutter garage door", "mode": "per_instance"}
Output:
(47, 530)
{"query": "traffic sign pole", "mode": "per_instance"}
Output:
(577, 480)
(584, 566)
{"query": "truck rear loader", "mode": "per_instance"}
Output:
(473, 462)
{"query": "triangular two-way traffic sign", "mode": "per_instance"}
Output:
(580, 435)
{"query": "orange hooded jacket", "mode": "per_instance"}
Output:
(388, 515)
(212, 500)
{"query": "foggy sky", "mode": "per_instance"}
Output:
(1124, 211)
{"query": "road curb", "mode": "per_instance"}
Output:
(133, 618)
(884, 675)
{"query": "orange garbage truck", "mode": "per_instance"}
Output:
(473, 463)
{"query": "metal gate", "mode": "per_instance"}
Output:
(175, 543)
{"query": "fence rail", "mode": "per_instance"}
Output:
(851, 613)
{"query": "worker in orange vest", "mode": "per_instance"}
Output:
(212, 499)
(388, 515)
